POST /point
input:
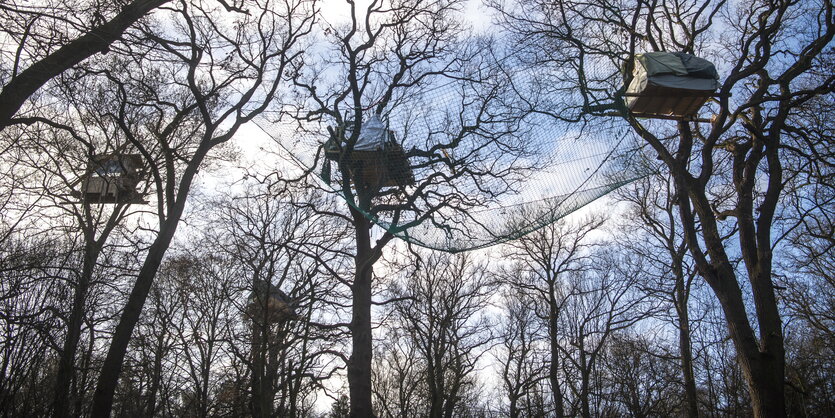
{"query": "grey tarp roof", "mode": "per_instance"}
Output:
(373, 134)
(676, 70)
(272, 291)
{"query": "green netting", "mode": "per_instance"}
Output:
(475, 169)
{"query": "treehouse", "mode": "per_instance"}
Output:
(268, 302)
(669, 85)
(112, 178)
(376, 160)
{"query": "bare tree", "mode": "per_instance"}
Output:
(155, 348)
(808, 258)
(591, 41)
(291, 246)
(523, 357)
(385, 60)
(56, 151)
(658, 240)
(544, 260)
(440, 309)
(31, 295)
(399, 383)
(187, 118)
(596, 304)
(640, 377)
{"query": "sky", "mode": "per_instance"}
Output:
(474, 12)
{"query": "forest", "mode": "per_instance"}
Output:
(190, 225)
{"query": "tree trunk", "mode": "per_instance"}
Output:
(514, 410)
(762, 362)
(585, 395)
(112, 366)
(435, 382)
(553, 368)
(686, 351)
(762, 365)
(156, 379)
(585, 384)
(359, 365)
(680, 299)
(259, 361)
(66, 363)
(23, 85)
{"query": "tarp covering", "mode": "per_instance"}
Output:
(674, 70)
(657, 63)
(372, 136)
(697, 67)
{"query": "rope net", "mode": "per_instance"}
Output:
(460, 165)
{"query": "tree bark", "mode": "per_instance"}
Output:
(359, 364)
(260, 338)
(585, 389)
(553, 368)
(23, 85)
(112, 366)
(685, 348)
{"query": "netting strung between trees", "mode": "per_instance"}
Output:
(447, 177)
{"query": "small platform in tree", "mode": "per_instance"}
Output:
(268, 302)
(670, 85)
(376, 160)
(112, 178)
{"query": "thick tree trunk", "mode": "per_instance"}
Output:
(23, 85)
(768, 363)
(112, 365)
(514, 410)
(762, 365)
(762, 362)
(435, 380)
(585, 394)
(260, 407)
(359, 365)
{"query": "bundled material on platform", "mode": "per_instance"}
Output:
(268, 302)
(112, 178)
(670, 84)
(376, 160)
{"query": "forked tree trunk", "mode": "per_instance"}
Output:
(762, 362)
